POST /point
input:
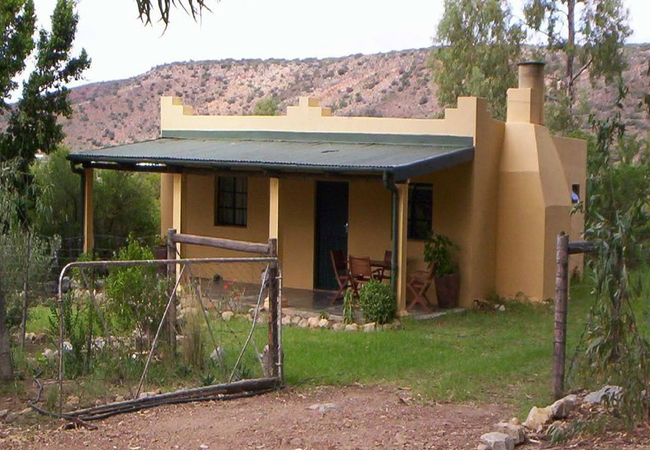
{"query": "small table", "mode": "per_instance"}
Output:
(383, 266)
(380, 263)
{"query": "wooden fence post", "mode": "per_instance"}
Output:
(274, 333)
(171, 275)
(561, 295)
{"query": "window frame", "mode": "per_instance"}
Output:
(231, 202)
(413, 204)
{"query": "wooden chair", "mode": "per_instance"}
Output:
(360, 273)
(381, 274)
(419, 283)
(340, 266)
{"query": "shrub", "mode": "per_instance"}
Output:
(136, 296)
(266, 107)
(377, 302)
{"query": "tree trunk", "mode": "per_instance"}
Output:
(570, 51)
(6, 367)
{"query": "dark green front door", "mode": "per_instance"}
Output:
(331, 229)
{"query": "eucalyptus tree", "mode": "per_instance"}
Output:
(478, 44)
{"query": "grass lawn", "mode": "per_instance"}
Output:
(502, 357)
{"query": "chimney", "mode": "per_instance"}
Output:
(526, 103)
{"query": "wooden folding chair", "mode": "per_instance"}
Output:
(383, 273)
(360, 273)
(419, 283)
(340, 266)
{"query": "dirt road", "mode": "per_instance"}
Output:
(352, 417)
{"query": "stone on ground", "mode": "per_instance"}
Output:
(538, 417)
(322, 407)
(304, 323)
(286, 321)
(295, 320)
(313, 322)
(563, 407)
(323, 323)
(352, 327)
(516, 432)
(497, 441)
(369, 327)
(338, 326)
(608, 393)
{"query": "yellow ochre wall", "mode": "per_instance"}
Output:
(503, 209)
(573, 154)
(534, 203)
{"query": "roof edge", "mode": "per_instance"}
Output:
(311, 136)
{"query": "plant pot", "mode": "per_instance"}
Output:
(447, 290)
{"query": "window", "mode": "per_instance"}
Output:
(420, 220)
(231, 201)
(575, 193)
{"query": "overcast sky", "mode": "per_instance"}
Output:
(121, 46)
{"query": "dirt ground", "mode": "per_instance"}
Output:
(353, 417)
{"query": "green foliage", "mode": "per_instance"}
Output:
(147, 9)
(479, 44)
(266, 107)
(125, 202)
(57, 205)
(619, 197)
(33, 123)
(193, 347)
(18, 23)
(24, 256)
(79, 321)
(136, 296)
(378, 302)
(348, 307)
(592, 43)
(437, 250)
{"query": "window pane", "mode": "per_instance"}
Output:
(420, 220)
(230, 201)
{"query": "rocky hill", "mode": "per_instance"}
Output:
(396, 84)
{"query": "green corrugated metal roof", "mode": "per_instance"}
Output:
(402, 156)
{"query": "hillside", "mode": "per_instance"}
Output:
(396, 84)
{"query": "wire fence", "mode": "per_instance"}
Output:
(123, 331)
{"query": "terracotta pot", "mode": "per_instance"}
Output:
(447, 290)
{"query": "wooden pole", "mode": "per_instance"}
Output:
(23, 323)
(171, 278)
(273, 369)
(561, 295)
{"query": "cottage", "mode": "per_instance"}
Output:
(502, 191)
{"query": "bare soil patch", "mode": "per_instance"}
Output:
(363, 417)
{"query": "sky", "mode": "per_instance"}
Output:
(120, 46)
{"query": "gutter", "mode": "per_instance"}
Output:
(389, 184)
(82, 194)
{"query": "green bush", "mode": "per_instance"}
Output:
(136, 295)
(266, 107)
(377, 302)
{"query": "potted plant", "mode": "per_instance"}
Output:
(437, 254)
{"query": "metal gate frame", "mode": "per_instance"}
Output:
(268, 253)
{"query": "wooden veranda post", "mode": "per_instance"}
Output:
(561, 295)
(274, 291)
(171, 277)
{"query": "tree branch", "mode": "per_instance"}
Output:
(585, 67)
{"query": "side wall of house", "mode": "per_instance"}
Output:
(573, 154)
